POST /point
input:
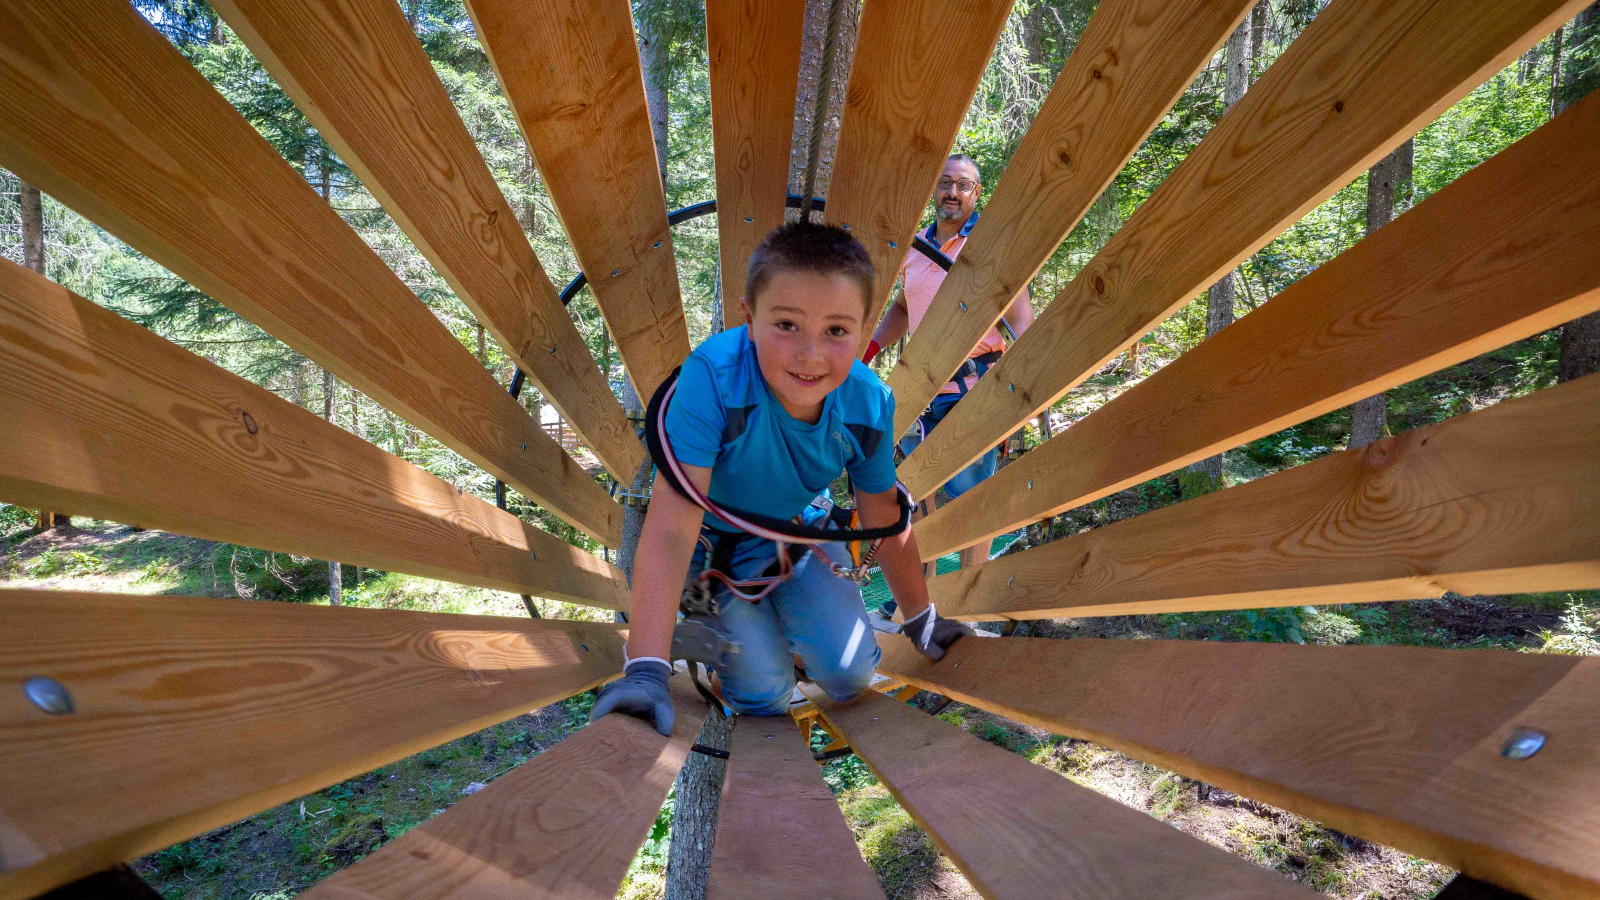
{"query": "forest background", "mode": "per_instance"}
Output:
(1037, 39)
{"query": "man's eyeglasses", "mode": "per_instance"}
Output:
(964, 186)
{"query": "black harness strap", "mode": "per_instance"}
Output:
(977, 365)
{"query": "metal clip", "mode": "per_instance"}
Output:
(696, 641)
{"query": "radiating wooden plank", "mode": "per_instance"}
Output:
(1499, 501)
(358, 72)
(780, 834)
(99, 110)
(755, 69)
(917, 64)
(1401, 745)
(106, 419)
(565, 824)
(1364, 76)
(1501, 254)
(1018, 830)
(571, 71)
(190, 713)
(1133, 61)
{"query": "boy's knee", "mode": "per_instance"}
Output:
(771, 704)
(851, 676)
(758, 690)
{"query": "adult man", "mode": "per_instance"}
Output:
(955, 198)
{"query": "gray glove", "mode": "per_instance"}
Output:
(641, 692)
(931, 634)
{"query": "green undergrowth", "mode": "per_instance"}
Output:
(279, 852)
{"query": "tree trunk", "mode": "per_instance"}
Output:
(1388, 191)
(1236, 56)
(32, 227)
(653, 58)
(32, 205)
(1580, 338)
(716, 301)
(1258, 33)
(694, 813)
(632, 514)
(1033, 26)
(330, 395)
(1555, 71)
(483, 346)
(805, 102)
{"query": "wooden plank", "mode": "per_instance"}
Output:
(106, 419)
(1133, 61)
(190, 713)
(1498, 501)
(358, 72)
(1501, 254)
(100, 111)
(755, 71)
(1362, 77)
(917, 64)
(571, 71)
(1018, 830)
(565, 824)
(780, 834)
(1401, 745)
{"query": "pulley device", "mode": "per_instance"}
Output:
(695, 639)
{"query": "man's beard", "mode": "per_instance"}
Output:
(949, 212)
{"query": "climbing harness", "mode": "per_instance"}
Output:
(701, 603)
(781, 532)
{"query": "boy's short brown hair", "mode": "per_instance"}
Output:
(810, 247)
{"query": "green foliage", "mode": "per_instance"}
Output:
(1579, 633)
(70, 563)
(1280, 624)
(652, 856)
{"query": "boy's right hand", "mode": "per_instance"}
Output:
(641, 692)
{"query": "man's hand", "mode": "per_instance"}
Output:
(931, 633)
(641, 692)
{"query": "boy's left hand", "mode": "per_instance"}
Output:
(931, 633)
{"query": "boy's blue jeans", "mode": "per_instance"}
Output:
(814, 614)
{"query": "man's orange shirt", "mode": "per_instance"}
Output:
(920, 278)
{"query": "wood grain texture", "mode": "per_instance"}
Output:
(570, 69)
(191, 713)
(1019, 830)
(1133, 61)
(917, 64)
(102, 417)
(566, 824)
(1402, 745)
(755, 69)
(1498, 501)
(1362, 77)
(780, 834)
(1502, 253)
(100, 111)
(358, 72)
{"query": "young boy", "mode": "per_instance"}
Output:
(765, 417)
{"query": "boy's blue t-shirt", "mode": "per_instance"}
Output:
(725, 417)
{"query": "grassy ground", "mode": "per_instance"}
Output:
(273, 855)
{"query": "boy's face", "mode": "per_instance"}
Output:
(806, 328)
